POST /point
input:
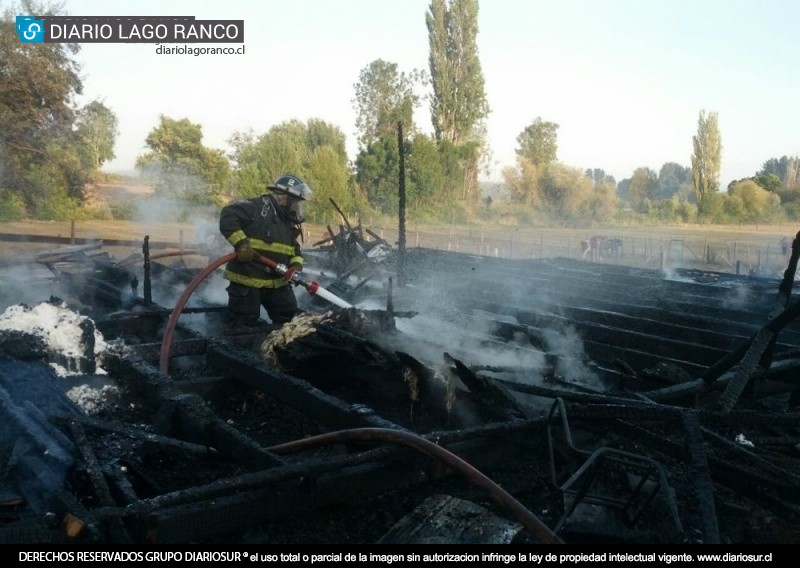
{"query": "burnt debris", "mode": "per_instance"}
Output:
(483, 400)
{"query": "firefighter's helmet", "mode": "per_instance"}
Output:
(291, 185)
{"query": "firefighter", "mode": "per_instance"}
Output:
(268, 225)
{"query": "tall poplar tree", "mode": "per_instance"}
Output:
(459, 101)
(707, 157)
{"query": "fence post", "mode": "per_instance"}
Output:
(450, 236)
(541, 246)
(72, 232)
(180, 240)
(511, 247)
(705, 251)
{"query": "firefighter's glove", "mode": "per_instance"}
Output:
(291, 271)
(244, 252)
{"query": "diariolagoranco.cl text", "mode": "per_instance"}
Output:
(196, 50)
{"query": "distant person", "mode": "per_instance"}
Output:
(268, 225)
(785, 245)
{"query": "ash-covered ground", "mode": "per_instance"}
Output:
(103, 447)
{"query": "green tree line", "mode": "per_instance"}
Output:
(51, 149)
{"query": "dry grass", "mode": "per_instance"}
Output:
(713, 247)
(707, 247)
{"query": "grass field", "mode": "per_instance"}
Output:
(712, 247)
(718, 248)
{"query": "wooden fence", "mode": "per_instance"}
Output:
(741, 253)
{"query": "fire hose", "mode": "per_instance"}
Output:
(313, 288)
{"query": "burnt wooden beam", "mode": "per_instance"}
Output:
(741, 373)
(701, 477)
(488, 391)
(102, 493)
(754, 485)
(782, 299)
(192, 418)
(14, 237)
(295, 393)
(569, 395)
(119, 484)
(638, 412)
(141, 378)
(786, 477)
(148, 438)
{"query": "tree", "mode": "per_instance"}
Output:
(707, 157)
(747, 201)
(377, 174)
(782, 176)
(523, 183)
(674, 179)
(599, 177)
(313, 150)
(624, 189)
(180, 166)
(38, 83)
(643, 189)
(383, 98)
(96, 127)
(770, 182)
(566, 192)
(538, 143)
(604, 202)
(427, 190)
(459, 102)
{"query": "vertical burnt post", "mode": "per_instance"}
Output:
(148, 294)
(389, 301)
(401, 190)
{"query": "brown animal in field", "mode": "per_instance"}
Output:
(596, 245)
(614, 247)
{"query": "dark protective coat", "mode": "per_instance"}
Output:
(269, 231)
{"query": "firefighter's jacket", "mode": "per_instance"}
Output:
(269, 232)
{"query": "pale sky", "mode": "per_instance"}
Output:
(624, 79)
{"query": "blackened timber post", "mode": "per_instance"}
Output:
(147, 290)
(401, 191)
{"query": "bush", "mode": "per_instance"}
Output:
(12, 206)
(123, 211)
(60, 207)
